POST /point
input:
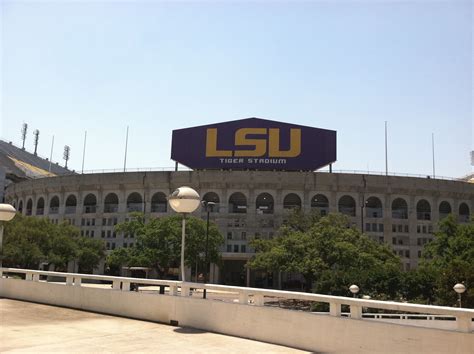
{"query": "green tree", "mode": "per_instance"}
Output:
(158, 243)
(447, 260)
(330, 255)
(89, 253)
(29, 241)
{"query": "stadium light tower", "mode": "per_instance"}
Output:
(36, 133)
(184, 200)
(24, 130)
(67, 154)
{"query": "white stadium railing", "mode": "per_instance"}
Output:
(184, 168)
(256, 297)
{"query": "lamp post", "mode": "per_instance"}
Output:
(209, 206)
(459, 288)
(184, 200)
(7, 212)
(354, 289)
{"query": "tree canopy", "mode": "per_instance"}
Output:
(158, 243)
(29, 241)
(330, 255)
(448, 259)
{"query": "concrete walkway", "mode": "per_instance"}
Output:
(29, 327)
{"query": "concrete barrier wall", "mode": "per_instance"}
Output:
(309, 331)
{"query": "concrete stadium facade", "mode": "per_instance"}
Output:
(400, 211)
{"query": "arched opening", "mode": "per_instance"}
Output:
(320, 203)
(71, 203)
(20, 206)
(111, 203)
(40, 206)
(347, 205)
(54, 205)
(211, 197)
(423, 210)
(238, 203)
(90, 204)
(444, 209)
(373, 208)
(464, 212)
(159, 203)
(399, 209)
(134, 202)
(29, 207)
(292, 201)
(264, 204)
(14, 204)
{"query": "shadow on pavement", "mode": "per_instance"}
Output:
(188, 330)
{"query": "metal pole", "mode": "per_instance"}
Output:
(206, 273)
(459, 300)
(126, 146)
(84, 151)
(386, 153)
(432, 148)
(51, 155)
(183, 231)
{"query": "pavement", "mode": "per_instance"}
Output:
(29, 327)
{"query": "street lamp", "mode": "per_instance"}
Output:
(7, 212)
(184, 200)
(209, 206)
(354, 289)
(459, 288)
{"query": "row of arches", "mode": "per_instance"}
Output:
(238, 204)
(159, 203)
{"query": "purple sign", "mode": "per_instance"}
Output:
(254, 144)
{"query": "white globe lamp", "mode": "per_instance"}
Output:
(184, 200)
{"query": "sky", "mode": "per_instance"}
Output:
(99, 66)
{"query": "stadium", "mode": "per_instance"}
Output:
(255, 171)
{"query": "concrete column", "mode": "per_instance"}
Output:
(278, 206)
(387, 218)
(333, 208)
(434, 210)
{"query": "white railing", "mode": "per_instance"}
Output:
(184, 168)
(256, 297)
